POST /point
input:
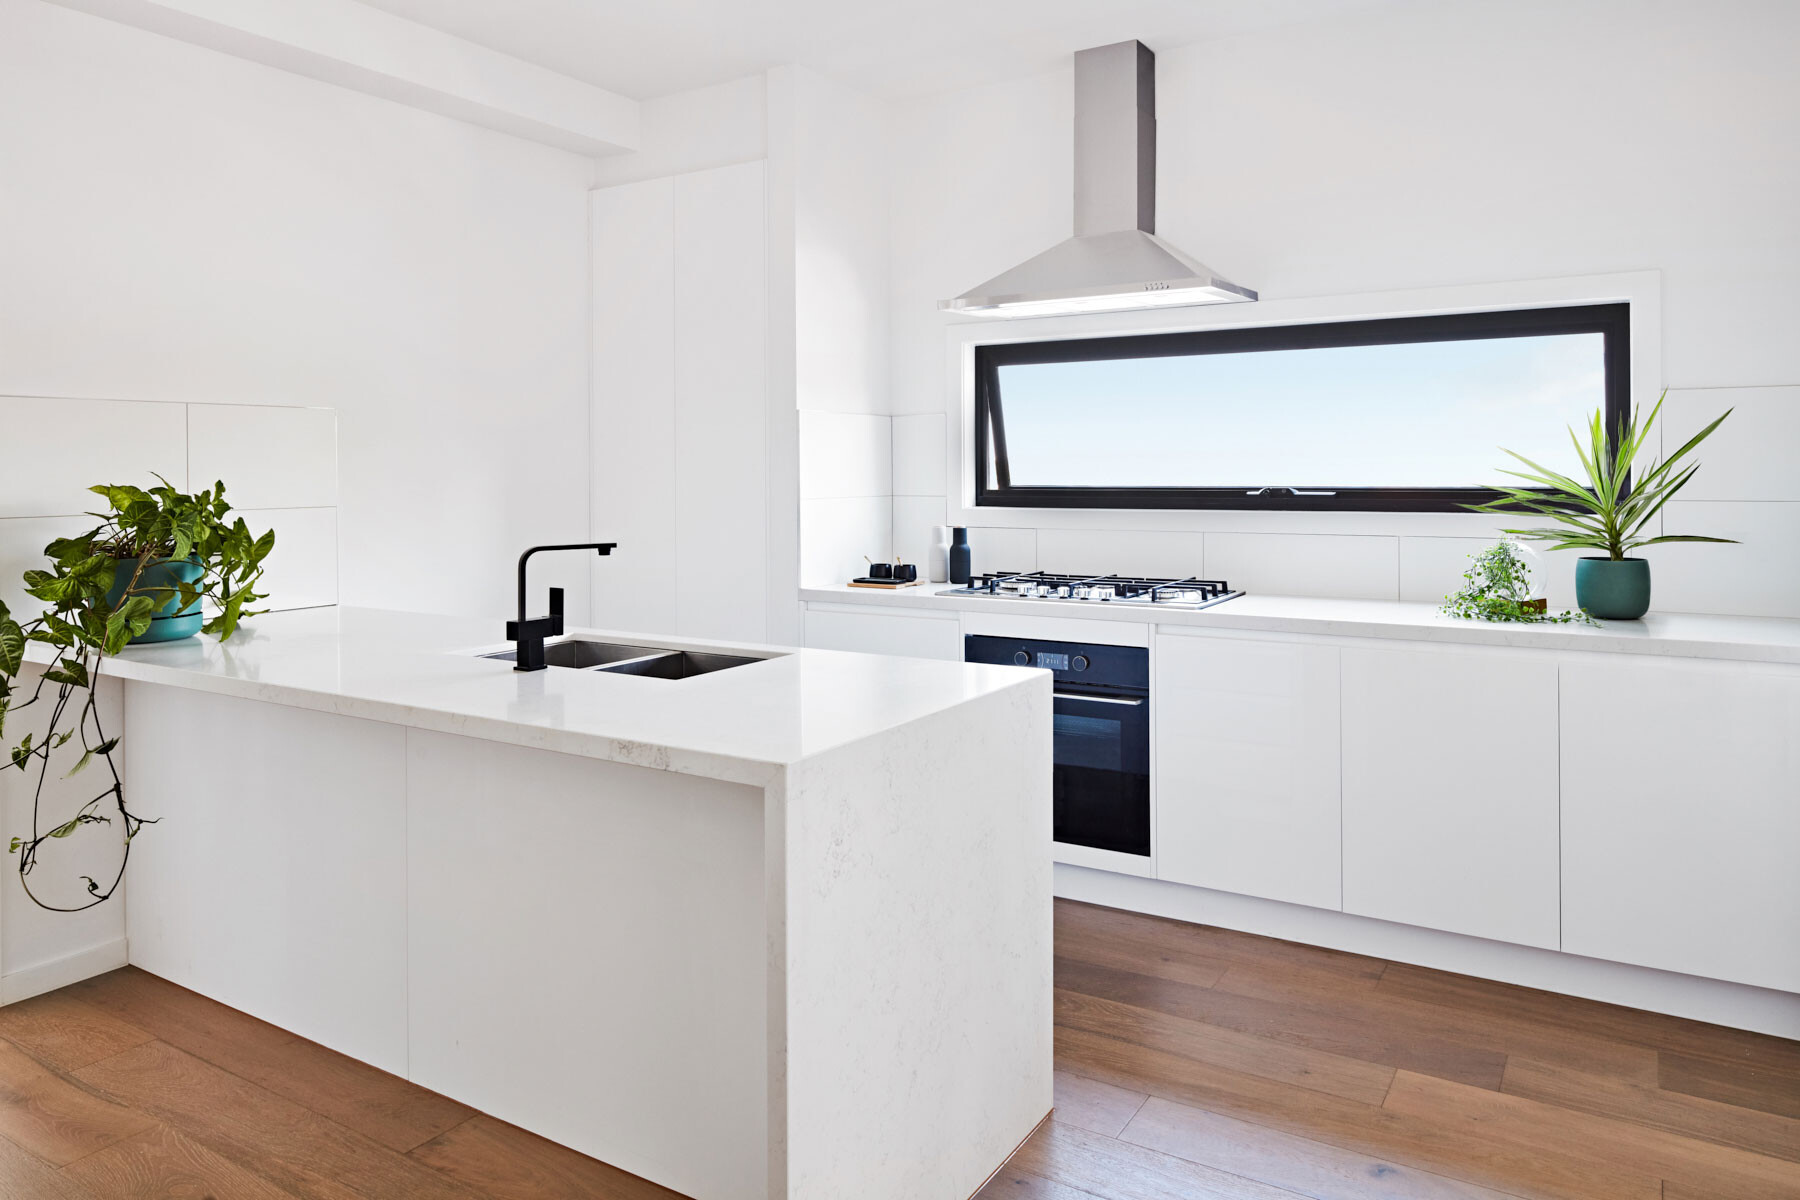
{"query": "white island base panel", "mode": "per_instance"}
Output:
(838, 984)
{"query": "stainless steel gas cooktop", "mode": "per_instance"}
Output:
(1187, 593)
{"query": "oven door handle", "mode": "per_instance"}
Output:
(1096, 699)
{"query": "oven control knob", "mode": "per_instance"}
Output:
(1080, 663)
(1022, 658)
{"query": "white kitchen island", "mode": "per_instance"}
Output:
(783, 930)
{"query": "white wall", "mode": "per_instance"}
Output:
(178, 225)
(1422, 145)
(695, 130)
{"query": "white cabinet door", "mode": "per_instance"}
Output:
(1681, 818)
(1450, 791)
(679, 451)
(884, 633)
(633, 405)
(721, 451)
(1247, 767)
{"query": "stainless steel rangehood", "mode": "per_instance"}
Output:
(1115, 260)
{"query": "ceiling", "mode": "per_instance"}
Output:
(649, 48)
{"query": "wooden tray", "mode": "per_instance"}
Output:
(885, 584)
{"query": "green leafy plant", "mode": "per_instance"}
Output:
(99, 599)
(1497, 587)
(1610, 513)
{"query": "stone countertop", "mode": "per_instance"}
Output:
(1682, 635)
(745, 724)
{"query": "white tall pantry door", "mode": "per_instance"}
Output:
(679, 404)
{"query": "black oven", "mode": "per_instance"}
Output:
(1102, 735)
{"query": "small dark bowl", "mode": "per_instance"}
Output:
(881, 570)
(906, 572)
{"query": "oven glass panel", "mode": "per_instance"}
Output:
(1091, 742)
(1101, 779)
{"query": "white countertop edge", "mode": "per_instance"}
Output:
(421, 671)
(1676, 635)
(537, 737)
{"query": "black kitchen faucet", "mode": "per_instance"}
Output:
(528, 633)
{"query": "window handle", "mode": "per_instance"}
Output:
(1292, 491)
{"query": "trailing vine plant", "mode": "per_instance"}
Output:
(1497, 587)
(101, 593)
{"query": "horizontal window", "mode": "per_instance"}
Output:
(1390, 415)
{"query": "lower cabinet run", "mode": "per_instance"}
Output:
(1450, 791)
(1681, 817)
(1247, 766)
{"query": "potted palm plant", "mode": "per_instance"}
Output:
(1609, 514)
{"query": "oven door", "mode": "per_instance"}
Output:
(1103, 769)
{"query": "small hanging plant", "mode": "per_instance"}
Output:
(104, 588)
(1497, 587)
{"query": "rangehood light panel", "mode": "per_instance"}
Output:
(1115, 261)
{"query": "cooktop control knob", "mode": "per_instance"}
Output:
(1080, 662)
(1022, 658)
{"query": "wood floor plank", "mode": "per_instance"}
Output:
(1196, 969)
(503, 1160)
(1317, 1070)
(1656, 1030)
(28, 1177)
(1011, 1183)
(391, 1110)
(54, 1118)
(65, 1032)
(1328, 1030)
(1095, 1106)
(1430, 1038)
(1691, 1116)
(1716, 1190)
(286, 1142)
(1525, 1123)
(162, 1164)
(1425, 1143)
(1116, 1170)
(1301, 1165)
(1161, 935)
(1747, 1084)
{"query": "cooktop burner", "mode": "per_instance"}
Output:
(1116, 589)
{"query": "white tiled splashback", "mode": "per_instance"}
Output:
(1748, 489)
(279, 465)
(846, 494)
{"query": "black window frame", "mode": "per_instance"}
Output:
(993, 487)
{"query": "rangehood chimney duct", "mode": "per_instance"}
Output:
(1115, 260)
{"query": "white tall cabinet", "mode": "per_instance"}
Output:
(680, 404)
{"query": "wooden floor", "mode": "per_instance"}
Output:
(1197, 1062)
(1193, 1063)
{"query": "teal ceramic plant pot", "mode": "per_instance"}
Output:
(170, 622)
(1613, 590)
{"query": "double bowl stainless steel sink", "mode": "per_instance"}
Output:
(616, 658)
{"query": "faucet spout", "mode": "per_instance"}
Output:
(528, 633)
